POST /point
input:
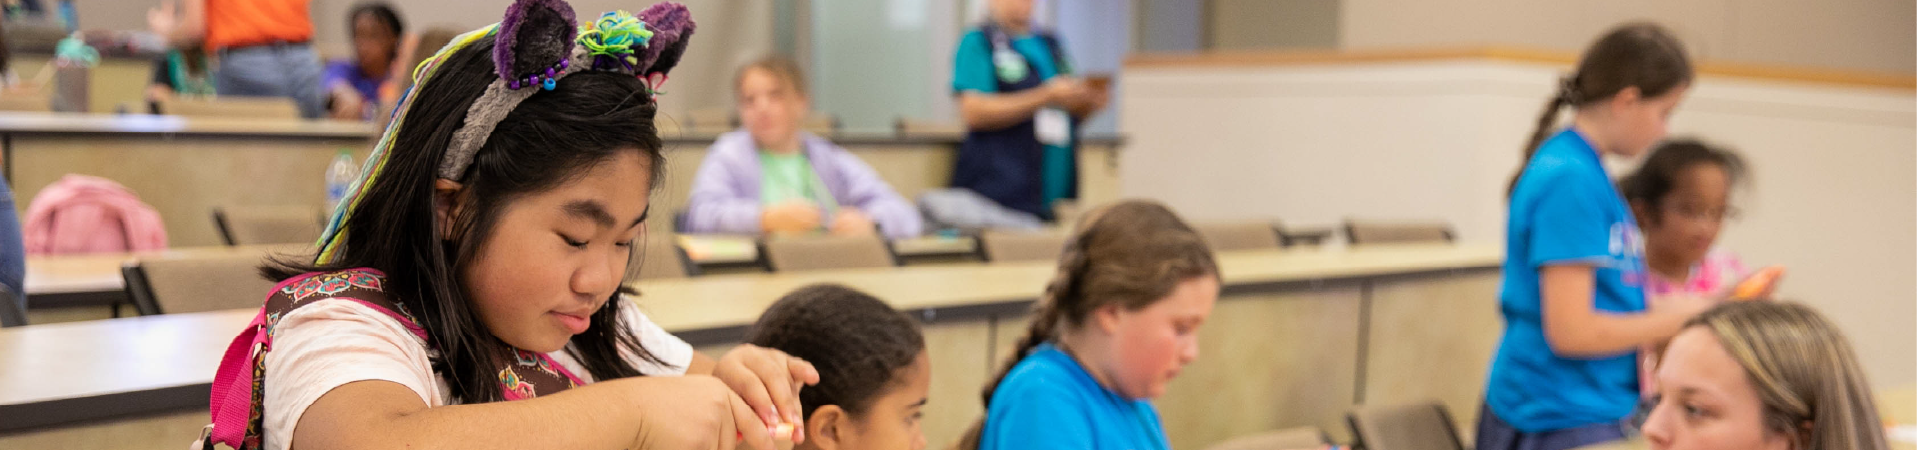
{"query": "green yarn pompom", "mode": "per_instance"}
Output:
(613, 37)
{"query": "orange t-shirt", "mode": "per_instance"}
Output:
(240, 23)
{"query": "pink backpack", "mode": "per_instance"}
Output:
(84, 214)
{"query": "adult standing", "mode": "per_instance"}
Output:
(263, 46)
(1022, 105)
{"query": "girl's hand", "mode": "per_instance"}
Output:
(1685, 305)
(852, 222)
(694, 412)
(1064, 89)
(790, 217)
(769, 381)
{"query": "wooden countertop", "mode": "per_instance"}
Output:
(725, 249)
(141, 124)
(100, 273)
(65, 124)
(67, 372)
(93, 273)
(736, 300)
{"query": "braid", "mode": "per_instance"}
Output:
(1047, 314)
(1639, 55)
(1568, 90)
(1126, 255)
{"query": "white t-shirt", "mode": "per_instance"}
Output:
(322, 346)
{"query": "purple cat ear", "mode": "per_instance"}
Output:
(672, 26)
(535, 35)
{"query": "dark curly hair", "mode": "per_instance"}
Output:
(857, 342)
(1660, 174)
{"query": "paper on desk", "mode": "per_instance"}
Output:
(1901, 433)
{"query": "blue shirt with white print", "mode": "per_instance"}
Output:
(1565, 211)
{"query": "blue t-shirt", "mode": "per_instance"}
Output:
(974, 70)
(1564, 211)
(1049, 402)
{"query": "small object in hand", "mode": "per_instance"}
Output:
(1757, 284)
(1099, 82)
(783, 431)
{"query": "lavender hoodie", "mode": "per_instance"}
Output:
(726, 190)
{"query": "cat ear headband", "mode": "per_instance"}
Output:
(535, 45)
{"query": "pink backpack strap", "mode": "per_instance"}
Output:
(235, 400)
(231, 395)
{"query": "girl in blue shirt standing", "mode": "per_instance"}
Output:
(1564, 376)
(1116, 324)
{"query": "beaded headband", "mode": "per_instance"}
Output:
(535, 45)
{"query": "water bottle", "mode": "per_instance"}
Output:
(340, 177)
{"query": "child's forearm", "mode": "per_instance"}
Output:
(378, 414)
(1605, 334)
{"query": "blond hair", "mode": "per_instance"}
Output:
(780, 67)
(1804, 370)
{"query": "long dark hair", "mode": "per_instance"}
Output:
(858, 343)
(1640, 55)
(1656, 177)
(5, 56)
(1130, 254)
(590, 117)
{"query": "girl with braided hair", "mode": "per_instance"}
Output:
(1118, 321)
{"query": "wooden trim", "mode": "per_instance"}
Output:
(1220, 59)
(1237, 58)
(1804, 74)
(144, 126)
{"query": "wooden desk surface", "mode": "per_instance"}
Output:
(106, 361)
(96, 273)
(733, 300)
(135, 124)
(139, 124)
(79, 359)
(712, 249)
(100, 272)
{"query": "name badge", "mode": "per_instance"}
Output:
(1052, 126)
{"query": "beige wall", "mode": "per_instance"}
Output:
(1857, 34)
(1832, 196)
(1267, 24)
(730, 33)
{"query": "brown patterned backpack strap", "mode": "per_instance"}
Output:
(238, 386)
(363, 285)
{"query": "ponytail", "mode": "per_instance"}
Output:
(1640, 55)
(1548, 118)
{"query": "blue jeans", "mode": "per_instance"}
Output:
(13, 254)
(290, 71)
(1496, 434)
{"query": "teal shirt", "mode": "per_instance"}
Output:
(973, 70)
